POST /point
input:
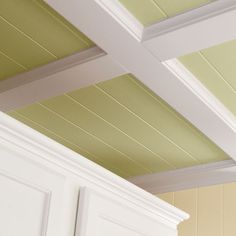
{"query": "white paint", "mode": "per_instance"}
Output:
(21, 204)
(187, 78)
(31, 199)
(41, 165)
(112, 37)
(192, 177)
(124, 17)
(51, 68)
(77, 71)
(192, 31)
(102, 215)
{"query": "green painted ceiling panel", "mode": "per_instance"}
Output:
(16, 46)
(101, 129)
(8, 67)
(151, 11)
(123, 126)
(215, 68)
(146, 11)
(32, 34)
(156, 113)
(134, 127)
(65, 142)
(82, 138)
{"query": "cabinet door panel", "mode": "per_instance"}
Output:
(100, 215)
(31, 195)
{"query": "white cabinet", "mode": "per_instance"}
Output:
(42, 184)
(102, 215)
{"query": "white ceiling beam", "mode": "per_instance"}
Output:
(98, 22)
(187, 178)
(79, 70)
(192, 31)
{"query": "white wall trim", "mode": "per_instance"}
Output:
(80, 70)
(187, 178)
(192, 31)
(45, 151)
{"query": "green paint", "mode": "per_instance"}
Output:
(215, 68)
(152, 11)
(123, 126)
(32, 34)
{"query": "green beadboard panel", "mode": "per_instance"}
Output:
(146, 11)
(8, 67)
(156, 113)
(134, 127)
(74, 134)
(99, 128)
(123, 126)
(33, 34)
(151, 11)
(65, 142)
(215, 68)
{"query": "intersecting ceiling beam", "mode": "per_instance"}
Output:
(101, 24)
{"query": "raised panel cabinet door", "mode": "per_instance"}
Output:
(31, 195)
(101, 215)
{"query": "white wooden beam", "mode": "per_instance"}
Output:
(192, 31)
(187, 178)
(109, 34)
(80, 70)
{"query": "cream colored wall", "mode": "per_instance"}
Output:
(212, 210)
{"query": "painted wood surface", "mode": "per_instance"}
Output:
(212, 210)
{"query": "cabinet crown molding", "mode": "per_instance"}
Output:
(17, 134)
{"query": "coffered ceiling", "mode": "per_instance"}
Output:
(167, 100)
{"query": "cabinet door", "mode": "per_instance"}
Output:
(31, 195)
(100, 215)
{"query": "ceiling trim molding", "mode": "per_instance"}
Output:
(192, 31)
(188, 18)
(51, 68)
(187, 78)
(187, 178)
(48, 154)
(123, 16)
(138, 60)
(79, 70)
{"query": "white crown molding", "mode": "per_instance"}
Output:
(79, 70)
(46, 153)
(192, 31)
(123, 16)
(187, 178)
(187, 78)
(188, 18)
(120, 44)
